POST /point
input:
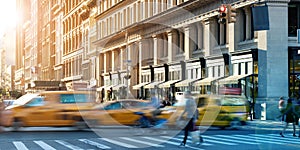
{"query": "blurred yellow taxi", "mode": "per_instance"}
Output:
(119, 112)
(49, 108)
(214, 110)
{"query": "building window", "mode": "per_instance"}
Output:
(293, 18)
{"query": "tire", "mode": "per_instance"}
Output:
(80, 123)
(92, 123)
(235, 124)
(17, 124)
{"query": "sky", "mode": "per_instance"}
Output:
(8, 20)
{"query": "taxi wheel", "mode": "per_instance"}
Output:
(92, 123)
(235, 123)
(80, 124)
(17, 124)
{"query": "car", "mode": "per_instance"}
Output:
(8, 102)
(118, 112)
(214, 110)
(48, 108)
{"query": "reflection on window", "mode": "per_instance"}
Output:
(73, 98)
(37, 101)
(293, 21)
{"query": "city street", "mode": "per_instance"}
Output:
(254, 136)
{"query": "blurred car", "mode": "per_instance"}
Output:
(119, 112)
(8, 102)
(214, 110)
(49, 108)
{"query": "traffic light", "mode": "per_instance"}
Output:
(231, 12)
(222, 14)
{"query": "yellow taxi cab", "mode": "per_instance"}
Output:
(214, 110)
(119, 112)
(49, 108)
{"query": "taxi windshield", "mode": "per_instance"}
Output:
(24, 99)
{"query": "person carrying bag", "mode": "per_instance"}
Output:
(189, 110)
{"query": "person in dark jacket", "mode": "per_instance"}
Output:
(290, 114)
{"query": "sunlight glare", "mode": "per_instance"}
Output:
(8, 14)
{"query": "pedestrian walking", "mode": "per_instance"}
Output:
(297, 110)
(189, 110)
(289, 113)
(281, 107)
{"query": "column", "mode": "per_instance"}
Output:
(140, 47)
(121, 59)
(273, 57)
(189, 41)
(172, 45)
(209, 38)
(155, 50)
(113, 59)
(105, 67)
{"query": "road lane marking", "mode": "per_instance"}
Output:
(212, 141)
(20, 146)
(44, 145)
(98, 145)
(118, 143)
(169, 142)
(238, 138)
(68, 145)
(142, 142)
(229, 140)
(264, 140)
(188, 140)
(280, 139)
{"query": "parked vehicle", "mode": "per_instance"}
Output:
(214, 110)
(49, 108)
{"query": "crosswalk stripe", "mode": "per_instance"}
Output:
(66, 144)
(219, 142)
(189, 141)
(285, 138)
(118, 143)
(237, 138)
(260, 139)
(172, 143)
(229, 140)
(44, 145)
(142, 142)
(276, 139)
(98, 145)
(20, 146)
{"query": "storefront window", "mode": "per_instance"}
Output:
(293, 21)
(294, 73)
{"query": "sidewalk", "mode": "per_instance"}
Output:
(265, 124)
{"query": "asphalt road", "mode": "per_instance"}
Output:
(115, 138)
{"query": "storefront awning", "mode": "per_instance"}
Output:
(152, 85)
(138, 86)
(117, 87)
(185, 82)
(167, 84)
(233, 79)
(205, 81)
